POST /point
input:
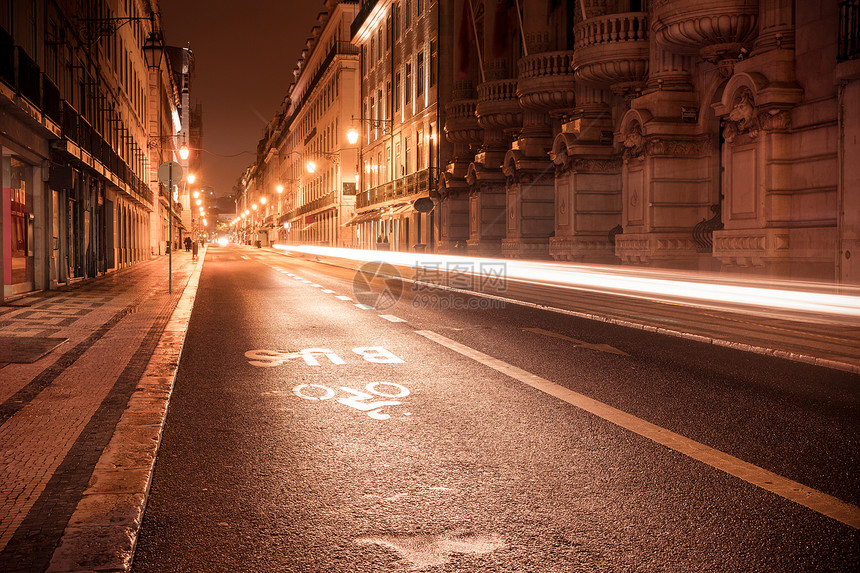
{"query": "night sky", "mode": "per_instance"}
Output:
(245, 53)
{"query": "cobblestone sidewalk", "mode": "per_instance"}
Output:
(79, 427)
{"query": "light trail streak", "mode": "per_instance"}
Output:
(799, 301)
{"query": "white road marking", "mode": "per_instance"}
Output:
(580, 343)
(327, 291)
(306, 281)
(357, 398)
(813, 499)
(363, 306)
(343, 297)
(271, 358)
(391, 318)
(315, 285)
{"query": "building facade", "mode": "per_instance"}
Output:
(302, 187)
(402, 44)
(694, 134)
(84, 123)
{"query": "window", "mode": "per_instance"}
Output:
(397, 91)
(398, 163)
(433, 56)
(408, 157)
(419, 74)
(379, 42)
(407, 87)
(389, 96)
(396, 24)
(388, 37)
(419, 159)
(382, 109)
(372, 51)
(407, 14)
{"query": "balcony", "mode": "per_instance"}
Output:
(715, 30)
(612, 51)
(403, 187)
(498, 105)
(461, 123)
(546, 82)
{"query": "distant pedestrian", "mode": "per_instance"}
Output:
(187, 244)
(194, 250)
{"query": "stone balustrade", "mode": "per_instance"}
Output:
(461, 123)
(613, 28)
(546, 82)
(498, 104)
(612, 51)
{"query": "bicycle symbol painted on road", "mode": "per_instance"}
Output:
(357, 398)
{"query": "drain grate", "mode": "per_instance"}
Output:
(26, 349)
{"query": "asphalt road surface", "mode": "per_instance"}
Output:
(324, 420)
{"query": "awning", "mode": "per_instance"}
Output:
(359, 218)
(402, 210)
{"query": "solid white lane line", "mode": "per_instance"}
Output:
(391, 318)
(813, 499)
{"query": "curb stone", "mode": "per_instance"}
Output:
(102, 532)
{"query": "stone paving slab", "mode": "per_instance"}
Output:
(80, 426)
(26, 348)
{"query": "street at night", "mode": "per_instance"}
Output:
(309, 432)
(473, 286)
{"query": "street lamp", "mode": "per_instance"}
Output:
(153, 48)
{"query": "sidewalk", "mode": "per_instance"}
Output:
(85, 376)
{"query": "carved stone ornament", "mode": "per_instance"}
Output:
(678, 147)
(742, 119)
(774, 120)
(585, 165)
(634, 143)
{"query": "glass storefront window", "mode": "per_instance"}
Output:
(17, 205)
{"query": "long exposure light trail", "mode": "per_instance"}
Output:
(809, 302)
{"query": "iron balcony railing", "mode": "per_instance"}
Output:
(418, 182)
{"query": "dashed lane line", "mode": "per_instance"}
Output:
(808, 497)
(391, 318)
(342, 297)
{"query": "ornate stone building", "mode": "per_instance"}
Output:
(694, 134)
